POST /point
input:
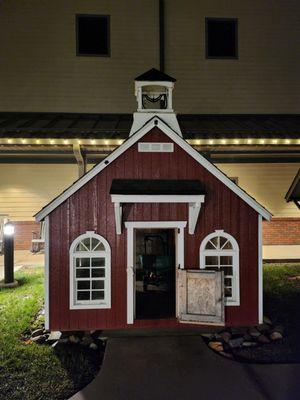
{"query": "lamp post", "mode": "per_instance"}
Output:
(8, 242)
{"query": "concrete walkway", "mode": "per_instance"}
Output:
(23, 258)
(182, 367)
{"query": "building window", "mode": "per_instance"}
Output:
(221, 37)
(92, 32)
(220, 251)
(90, 266)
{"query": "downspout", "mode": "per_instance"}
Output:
(161, 35)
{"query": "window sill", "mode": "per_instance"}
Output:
(89, 306)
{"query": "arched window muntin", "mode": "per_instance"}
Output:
(90, 272)
(220, 251)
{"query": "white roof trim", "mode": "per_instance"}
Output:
(152, 123)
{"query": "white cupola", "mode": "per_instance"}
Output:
(154, 91)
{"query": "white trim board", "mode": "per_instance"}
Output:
(154, 122)
(180, 225)
(46, 257)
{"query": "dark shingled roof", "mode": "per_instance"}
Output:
(117, 126)
(154, 75)
(293, 193)
(156, 186)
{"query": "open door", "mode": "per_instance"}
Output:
(201, 297)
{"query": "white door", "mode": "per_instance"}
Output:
(201, 297)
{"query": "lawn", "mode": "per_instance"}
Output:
(281, 304)
(36, 372)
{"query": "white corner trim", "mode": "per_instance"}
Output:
(152, 123)
(260, 273)
(194, 202)
(180, 225)
(46, 258)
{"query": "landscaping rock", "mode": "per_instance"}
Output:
(226, 336)
(93, 346)
(263, 339)
(225, 354)
(237, 342)
(276, 336)
(254, 332)
(267, 320)
(263, 328)
(37, 332)
(39, 339)
(217, 336)
(249, 344)
(86, 340)
(247, 337)
(54, 336)
(278, 328)
(74, 339)
(217, 346)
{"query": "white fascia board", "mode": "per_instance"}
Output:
(155, 224)
(145, 198)
(152, 123)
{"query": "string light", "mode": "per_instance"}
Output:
(9, 140)
(223, 141)
(106, 142)
(274, 141)
(236, 141)
(66, 141)
(51, 141)
(23, 141)
(120, 141)
(262, 141)
(93, 141)
(287, 141)
(211, 141)
(37, 141)
(79, 141)
(249, 141)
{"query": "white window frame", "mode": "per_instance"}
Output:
(234, 300)
(90, 304)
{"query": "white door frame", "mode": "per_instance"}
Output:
(179, 250)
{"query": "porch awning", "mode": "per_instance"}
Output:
(157, 191)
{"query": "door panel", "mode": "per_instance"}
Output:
(201, 296)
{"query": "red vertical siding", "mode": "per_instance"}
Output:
(90, 208)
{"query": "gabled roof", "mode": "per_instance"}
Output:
(152, 123)
(154, 75)
(293, 193)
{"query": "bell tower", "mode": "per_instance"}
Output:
(154, 91)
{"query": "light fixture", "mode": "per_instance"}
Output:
(287, 141)
(24, 141)
(236, 141)
(262, 141)
(79, 141)
(9, 140)
(249, 141)
(223, 141)
(120, 141)
(274, 141)
(93, 141)
(37, 141)
(106, 142)
(66, 141)
(8, 229)
(51, 141)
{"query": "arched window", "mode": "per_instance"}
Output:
(220, 251)
(90, 266)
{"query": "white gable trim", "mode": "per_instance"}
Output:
(152, 123)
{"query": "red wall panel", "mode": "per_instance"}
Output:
(90, 208)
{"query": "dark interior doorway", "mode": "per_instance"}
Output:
(155, 273)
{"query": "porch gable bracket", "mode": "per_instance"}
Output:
(194, 202)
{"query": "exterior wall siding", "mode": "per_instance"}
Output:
(26, 188)
(90, 208)
(40, 70)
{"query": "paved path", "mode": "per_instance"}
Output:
(183, 368)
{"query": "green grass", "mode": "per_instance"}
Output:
(36, 372)
(282, 301)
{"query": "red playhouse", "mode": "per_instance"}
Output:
(155, 235)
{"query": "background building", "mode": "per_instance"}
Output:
(67, 100)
